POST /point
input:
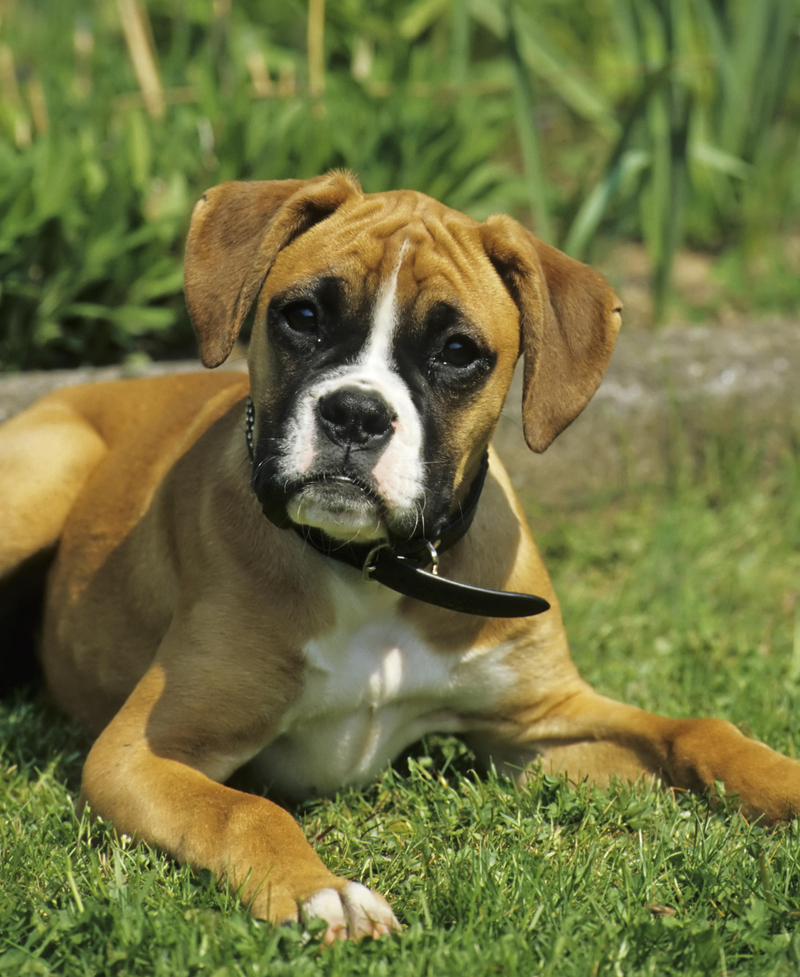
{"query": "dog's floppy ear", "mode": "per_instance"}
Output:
(569, 318)
(236, 233)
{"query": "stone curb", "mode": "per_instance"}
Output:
(663, 397)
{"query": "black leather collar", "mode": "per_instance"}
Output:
(402, 569)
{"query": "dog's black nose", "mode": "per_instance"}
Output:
(353, 417)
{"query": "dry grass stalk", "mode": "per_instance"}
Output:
(9, 93)
(139, 39)
(38, 105)
(259, 74)
(9, 89)
(316, 47)
(83, 45)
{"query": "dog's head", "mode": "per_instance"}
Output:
(386, 331)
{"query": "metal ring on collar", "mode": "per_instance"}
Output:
(370, 560)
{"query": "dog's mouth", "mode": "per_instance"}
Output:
(341, 506)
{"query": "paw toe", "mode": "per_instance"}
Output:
(352, 913)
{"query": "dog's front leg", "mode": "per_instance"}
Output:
(589, 737)
(156, 788)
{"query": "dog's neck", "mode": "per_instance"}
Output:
(401, 566)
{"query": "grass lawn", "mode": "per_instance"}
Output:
(682, 600)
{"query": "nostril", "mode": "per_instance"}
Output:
(333, 411)
(377, 418)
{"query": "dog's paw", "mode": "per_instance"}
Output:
(350, 913)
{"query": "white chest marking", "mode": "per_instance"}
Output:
(372, 687)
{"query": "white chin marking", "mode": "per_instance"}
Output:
(346, 525)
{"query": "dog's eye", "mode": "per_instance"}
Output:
(458, 351)
(301, 316)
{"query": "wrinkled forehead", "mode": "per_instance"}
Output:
(427, 252)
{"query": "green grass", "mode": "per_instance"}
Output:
(683, 600)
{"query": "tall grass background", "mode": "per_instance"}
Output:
(659, 121)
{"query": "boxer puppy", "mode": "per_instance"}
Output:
(240, 575)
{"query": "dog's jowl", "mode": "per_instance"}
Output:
(307, 570)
